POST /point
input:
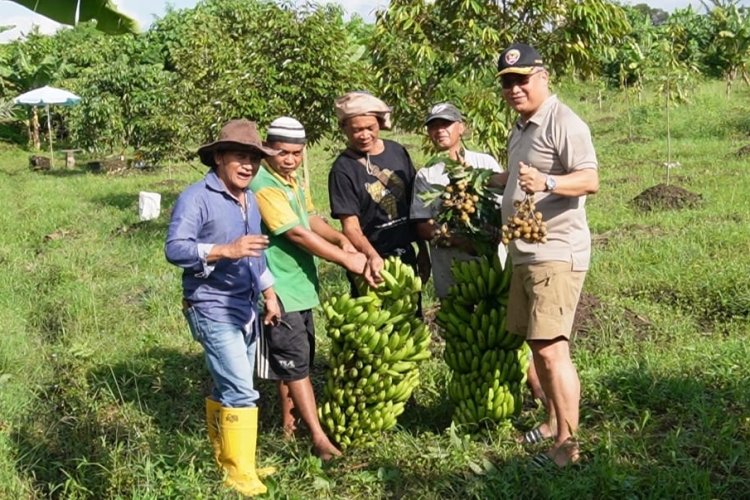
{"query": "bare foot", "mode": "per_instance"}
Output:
(325, 449)
(290, 428)
(567, 453)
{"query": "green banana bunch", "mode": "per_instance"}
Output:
(478, 279)
(377, 343)
(399, 282)
(488, 363)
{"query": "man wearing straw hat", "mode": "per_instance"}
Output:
(370, 187)
(215, 237)
(287, 347)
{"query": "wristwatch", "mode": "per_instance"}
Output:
(550, 184)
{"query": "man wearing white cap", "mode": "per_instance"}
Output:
(287, 348)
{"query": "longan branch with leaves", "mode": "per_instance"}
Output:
(468, 207)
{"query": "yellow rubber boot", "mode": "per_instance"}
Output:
(212, 418)
(238, 431)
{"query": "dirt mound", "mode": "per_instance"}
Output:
(585, 318)
(664, 197)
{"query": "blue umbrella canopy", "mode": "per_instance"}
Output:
(47, 95)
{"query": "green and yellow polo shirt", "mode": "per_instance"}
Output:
(283, 205)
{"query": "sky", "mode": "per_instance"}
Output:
(145, 11)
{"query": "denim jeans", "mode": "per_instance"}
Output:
(230, 358)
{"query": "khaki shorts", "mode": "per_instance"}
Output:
(543, 300)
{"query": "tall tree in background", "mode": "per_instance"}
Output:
(729, 53)
(167, 90)
(27, 65)
(258, 59)
(424, 52)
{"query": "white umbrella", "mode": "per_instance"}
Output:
(45, 96)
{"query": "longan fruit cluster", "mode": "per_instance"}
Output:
(460, 200)
(527, 224)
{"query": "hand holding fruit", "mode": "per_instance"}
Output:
(372, 271)
(530, 179)
(527, 223)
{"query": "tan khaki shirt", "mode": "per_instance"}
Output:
(555, 141)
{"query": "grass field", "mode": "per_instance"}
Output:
(101, 386)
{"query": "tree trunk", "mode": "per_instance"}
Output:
(669, 134)
(34, 129)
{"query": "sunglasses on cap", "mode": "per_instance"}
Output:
(510, 80)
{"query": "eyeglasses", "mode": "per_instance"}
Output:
(511, 80)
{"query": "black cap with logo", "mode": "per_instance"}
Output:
(520, 59)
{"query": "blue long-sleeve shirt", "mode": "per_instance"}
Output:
(205, 215)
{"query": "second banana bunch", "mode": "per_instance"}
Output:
(488, 364)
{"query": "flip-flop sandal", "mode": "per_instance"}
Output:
(543, 461)
(534, 436)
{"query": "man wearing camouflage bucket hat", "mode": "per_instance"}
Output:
(370, 187)
(550, 156)
(215, 237)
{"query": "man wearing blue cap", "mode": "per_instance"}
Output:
(550, 156)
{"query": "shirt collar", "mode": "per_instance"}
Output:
(272, 172)
(541, 113)
(214, 183)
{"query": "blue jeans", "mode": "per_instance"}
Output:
(230, 358)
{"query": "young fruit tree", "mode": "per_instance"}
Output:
(674, 78)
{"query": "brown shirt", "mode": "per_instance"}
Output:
(555, 141)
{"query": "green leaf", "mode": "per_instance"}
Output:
(109, 19)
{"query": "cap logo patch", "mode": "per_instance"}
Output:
(512, 56)
(438, 108)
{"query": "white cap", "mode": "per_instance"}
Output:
(286, 129)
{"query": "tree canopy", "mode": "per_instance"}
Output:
(168, 89)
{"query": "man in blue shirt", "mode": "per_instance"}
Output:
(215, 237)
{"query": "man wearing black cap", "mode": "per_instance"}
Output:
(445, 127)
(214, 236)
(550, 156)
